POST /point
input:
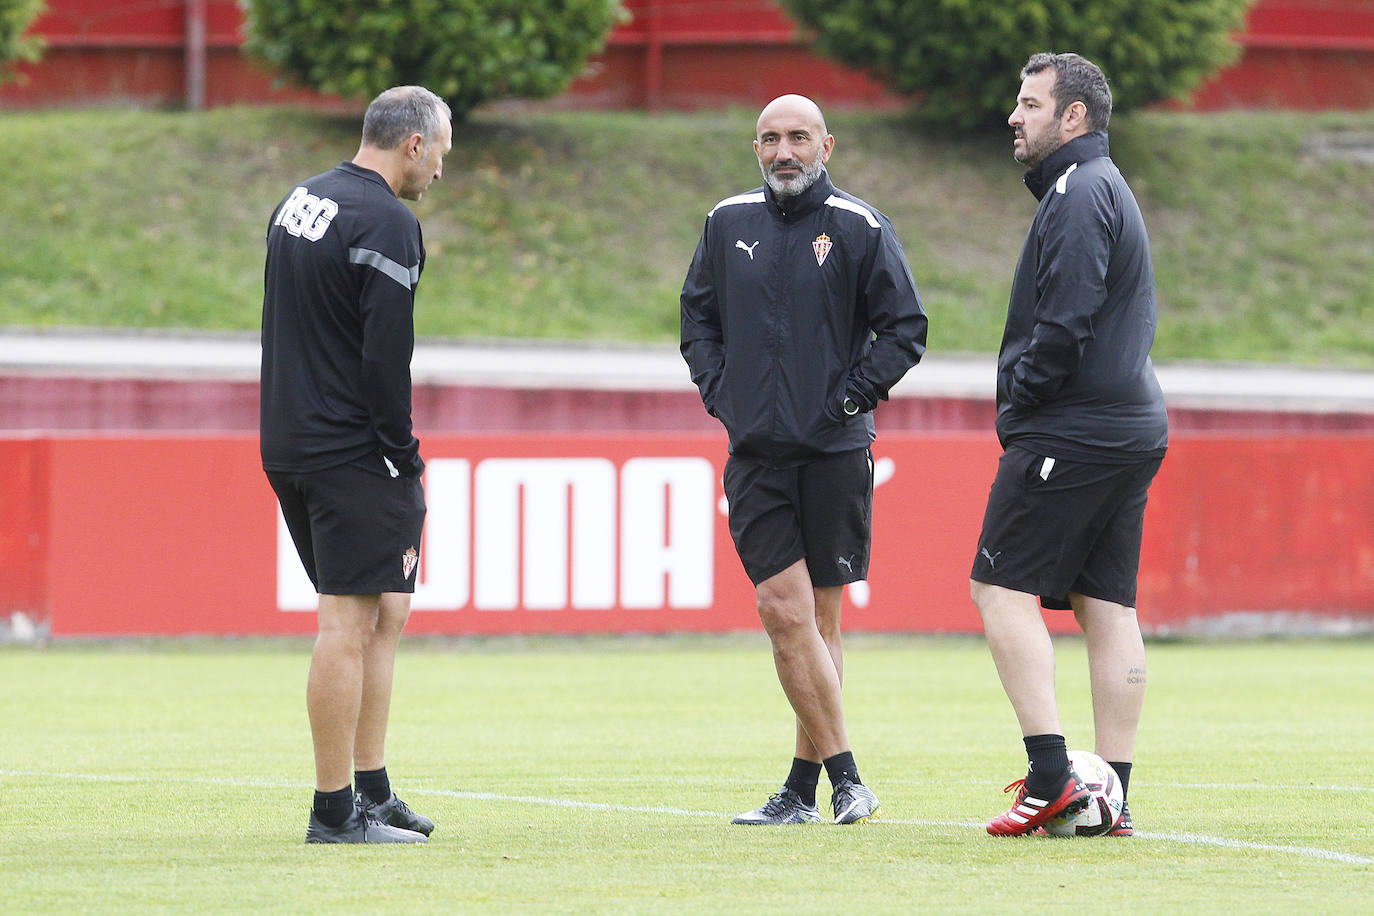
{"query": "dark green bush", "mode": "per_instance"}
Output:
(468, 51)
(962, 58)
(15, 16)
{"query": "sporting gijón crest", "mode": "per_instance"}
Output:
(408, 561)
(821, 246)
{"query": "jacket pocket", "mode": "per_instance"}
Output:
(720, 406)
(1038, 470)
(833, 409)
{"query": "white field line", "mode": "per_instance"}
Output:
(1277, 788)
(1193, 839)
(898, 781)
(1308, 851)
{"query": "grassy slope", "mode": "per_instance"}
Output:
(581, 225)
(597, 776)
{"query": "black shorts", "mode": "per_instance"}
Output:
(1054, 526)
(356, 528)
(821, 511)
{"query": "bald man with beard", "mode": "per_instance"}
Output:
(799, 313)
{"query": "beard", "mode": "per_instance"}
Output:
(1037, 149)
(791, 187)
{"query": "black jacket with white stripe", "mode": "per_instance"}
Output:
(1074, 377)
(343, 258)
(790, 306)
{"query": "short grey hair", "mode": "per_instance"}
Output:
(1077, 79)
(401, 111)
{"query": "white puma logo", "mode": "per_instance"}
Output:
(848, 564)
(992, 557)
(739, 243)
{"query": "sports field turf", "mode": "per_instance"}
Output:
(598, 775)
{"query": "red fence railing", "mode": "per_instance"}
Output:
(1303, 54)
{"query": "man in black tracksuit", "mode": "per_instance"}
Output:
(343, 258)
(1081, 418)
(799, 313)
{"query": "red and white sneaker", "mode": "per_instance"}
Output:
(1122, 827)
(1030, 812)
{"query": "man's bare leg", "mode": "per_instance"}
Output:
(1116, 669)
(827, 603)
(1024, 655)
(334, 688)
(806, 670)
(1021, 649)
(379, 665)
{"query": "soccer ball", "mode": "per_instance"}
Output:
(1104, 804)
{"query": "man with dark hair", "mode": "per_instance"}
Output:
(343, 258)
(799, 312)
(1076, 79)
(1082, 423)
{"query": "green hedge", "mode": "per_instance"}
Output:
(962, 57)
(15, 16)
(468, 51)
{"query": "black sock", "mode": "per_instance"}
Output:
(374, 784)
(842, 766)
(333, 809)
(1123, 773)
(1049, 760)
(803, 778)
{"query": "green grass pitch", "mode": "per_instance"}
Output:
(598, 775)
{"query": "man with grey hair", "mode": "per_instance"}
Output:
(343, 258)
(799, 312)
(1082, 423)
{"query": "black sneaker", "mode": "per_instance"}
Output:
(853, 802)
(1123, 826)
(786, 807)
(396, 813)
(361, 827)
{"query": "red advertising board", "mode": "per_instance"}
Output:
(566, 533)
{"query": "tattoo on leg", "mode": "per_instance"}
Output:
(1135, 676)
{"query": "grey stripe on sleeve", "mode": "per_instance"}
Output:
(406, 276)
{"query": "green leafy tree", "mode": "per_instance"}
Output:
(468, 51)
(15, 17)
(961, 57)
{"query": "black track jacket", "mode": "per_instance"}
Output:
(789, 307)
(343, 258)
(1074, 376)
